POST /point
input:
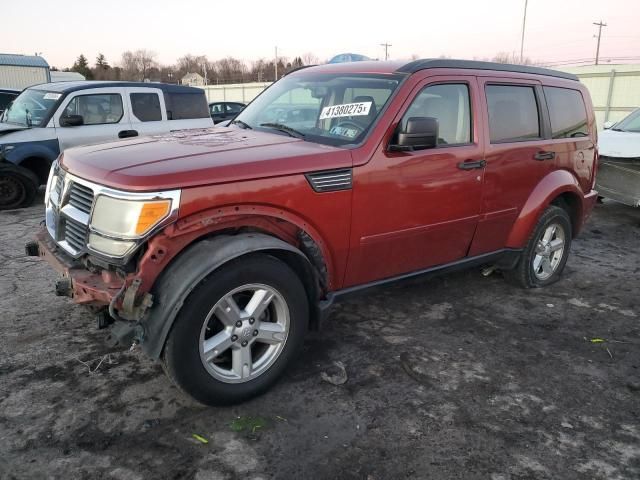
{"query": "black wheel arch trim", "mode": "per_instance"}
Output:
(192, 266)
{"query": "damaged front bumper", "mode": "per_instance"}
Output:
(98, 288)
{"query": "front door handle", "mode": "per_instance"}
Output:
(545, 156)
(127, 133)
(472, 164)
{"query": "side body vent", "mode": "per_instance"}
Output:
(331, 180)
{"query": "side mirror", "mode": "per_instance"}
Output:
(71, 121)
(608, 125)
(419, 133)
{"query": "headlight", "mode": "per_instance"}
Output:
(109, 246)
(128, 218)
(121, 221)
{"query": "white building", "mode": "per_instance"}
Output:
(57, 76)
(614, 89)
(22, 71)
(193, 80)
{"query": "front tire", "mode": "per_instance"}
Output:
(545, 256)
(18, 187)
(237, 331)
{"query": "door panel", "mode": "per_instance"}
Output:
(413, 210)
(512, 170)
(104, 117)
(148, 112)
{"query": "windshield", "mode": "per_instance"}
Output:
(630, 124)
(334, 109)
(31, 108)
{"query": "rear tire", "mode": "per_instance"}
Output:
(18, 187)
(237, 331)
(545, 256)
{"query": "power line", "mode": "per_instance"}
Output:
(599, 25)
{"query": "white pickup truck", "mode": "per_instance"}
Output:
(46, 119)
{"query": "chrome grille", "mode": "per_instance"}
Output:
(75, 234)
(81, 197)
(57, 188)
(330, 181)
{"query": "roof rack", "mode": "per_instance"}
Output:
(424, 64)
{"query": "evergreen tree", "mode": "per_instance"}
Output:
(81, 66)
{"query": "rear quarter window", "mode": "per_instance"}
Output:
(513, 113)
(567, 112)
(185, 106)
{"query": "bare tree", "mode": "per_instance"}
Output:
(310, 59)
(506, 57)
(138, 65)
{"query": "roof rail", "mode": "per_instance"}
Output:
(424, 64)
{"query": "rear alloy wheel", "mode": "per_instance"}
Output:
(237, 331)
(543, 260)
(18, 187)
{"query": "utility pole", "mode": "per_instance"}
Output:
(599, 25)
(524, 23)
(386, 49)
(276, 63)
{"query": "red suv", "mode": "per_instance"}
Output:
(217, 249)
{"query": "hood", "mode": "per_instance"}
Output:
(619, 144)
(191, 158)
(9, 127)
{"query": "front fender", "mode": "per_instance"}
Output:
(551, 186)
(46, 149)
(188, 270)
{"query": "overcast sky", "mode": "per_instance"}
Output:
(556, 29)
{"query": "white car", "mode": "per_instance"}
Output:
(46, 119)
(619, 170)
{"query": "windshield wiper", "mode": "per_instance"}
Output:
(292, 132)
(242, 124)
(618, 130)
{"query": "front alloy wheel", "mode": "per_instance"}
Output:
(244, 333)
(237, 331)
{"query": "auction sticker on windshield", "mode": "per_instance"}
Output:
(346, 110)
(52, 96)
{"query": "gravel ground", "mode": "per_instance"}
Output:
(460, 377)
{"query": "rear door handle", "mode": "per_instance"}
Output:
(127, 133)
(545, 156)
(472, 164)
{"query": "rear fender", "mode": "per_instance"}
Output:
(549, 188)
(195, 263)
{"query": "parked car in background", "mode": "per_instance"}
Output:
(221, 111)
(7, 95)
(619, 170)
(216, 251)
(46, 119)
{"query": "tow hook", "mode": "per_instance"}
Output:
(31, 249)
(63, 287)
(103, 319)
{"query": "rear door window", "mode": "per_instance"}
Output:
(567, 112)
(146, 106)
(513, 113)
(184, 106)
